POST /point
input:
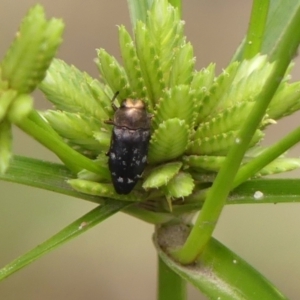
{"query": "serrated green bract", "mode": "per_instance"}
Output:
(131, 64)
(220, 144)
(163, 145)
(182, 66)
(113, 74)
(280, 165)
(28, 58)
(79, 130)
(149, 62)
(175, 103)
(161, 175)
(101, 189)
(68, 89)
(285, 101)
(181, 185)
(204, 162)
(229, 119)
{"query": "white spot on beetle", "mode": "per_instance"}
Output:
(129, 180)
(120, 179)
(112, 155)
(144, 158)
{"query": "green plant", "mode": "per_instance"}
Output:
(159, 68)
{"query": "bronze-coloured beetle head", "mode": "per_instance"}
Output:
(132, 114)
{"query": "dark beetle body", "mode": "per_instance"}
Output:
(129, 145)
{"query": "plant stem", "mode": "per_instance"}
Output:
(170, 285)
(256, 29)
(216, 198)
(266, 157)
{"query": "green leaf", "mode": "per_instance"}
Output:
(281, 14)
(218, 272)
(78, 227)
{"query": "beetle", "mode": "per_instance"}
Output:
(129, 144)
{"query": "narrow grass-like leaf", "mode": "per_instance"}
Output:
(78, 227)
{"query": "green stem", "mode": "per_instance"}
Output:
(73, 159)
(256, 29)
(170, 285)
(216, 198)
(266, 157)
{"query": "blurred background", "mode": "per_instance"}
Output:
(116, 260)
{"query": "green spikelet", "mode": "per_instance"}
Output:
(181, 185)
(213, 102)
(114, 74)
(176, 103)
(204, 162)
(132, 64)
(229, 119)
(285, 101)
(183, 66)
(161, 175)
(220, 144)
(67, 88)
(150, 64)
(101, 189)
(79, 130)
(163, 146)
(29, 56)
(166, 33)
(280, 165)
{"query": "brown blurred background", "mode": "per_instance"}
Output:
(116, 260)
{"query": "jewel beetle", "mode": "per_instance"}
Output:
(127, 155)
